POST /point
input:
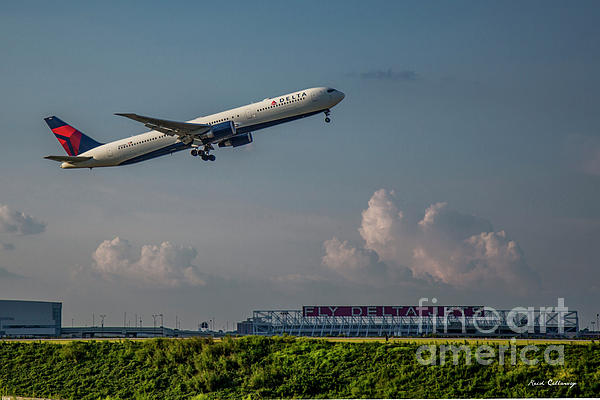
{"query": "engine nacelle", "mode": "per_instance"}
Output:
(220, 131)
(237, 141)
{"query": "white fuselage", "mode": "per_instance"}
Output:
(249, 118)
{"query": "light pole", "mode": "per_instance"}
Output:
(102, 316)
(154, 316)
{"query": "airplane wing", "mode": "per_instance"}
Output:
(71, 159)
(185, 130)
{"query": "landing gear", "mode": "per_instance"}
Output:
(208, 147)
(204, 153)
(327, 119)
(208, 157)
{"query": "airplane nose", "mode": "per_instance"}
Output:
(338, 96)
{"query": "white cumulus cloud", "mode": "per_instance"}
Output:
(12, 221)
(378, 220)
(440, 219)
(342, 257)
(381, 223)
(443, 246)
(163, 265)
(359, 265)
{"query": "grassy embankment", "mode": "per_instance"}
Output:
(258, 367)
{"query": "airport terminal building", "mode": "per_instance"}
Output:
(21, 318)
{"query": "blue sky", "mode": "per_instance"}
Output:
(489, 107)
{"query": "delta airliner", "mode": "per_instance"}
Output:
(231, 128)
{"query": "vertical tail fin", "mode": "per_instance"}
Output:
(73, 141)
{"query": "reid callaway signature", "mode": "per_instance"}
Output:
(551, 382)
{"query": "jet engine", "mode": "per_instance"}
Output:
(220, 131)
(237, 141)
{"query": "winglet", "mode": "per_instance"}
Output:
(132, 116)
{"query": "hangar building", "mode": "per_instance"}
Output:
(21, 318)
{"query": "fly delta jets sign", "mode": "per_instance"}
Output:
(392, 311)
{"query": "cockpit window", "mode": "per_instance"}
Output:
(330, 90)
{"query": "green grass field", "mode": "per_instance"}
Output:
(284, 367)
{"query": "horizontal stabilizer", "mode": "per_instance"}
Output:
(70, 159)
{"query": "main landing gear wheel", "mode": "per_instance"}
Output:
(205, 153)
(327, 119)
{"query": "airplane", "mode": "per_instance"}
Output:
(231, 128)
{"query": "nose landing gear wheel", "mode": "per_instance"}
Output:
(327, 119)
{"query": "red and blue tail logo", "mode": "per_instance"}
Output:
(73, 141)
